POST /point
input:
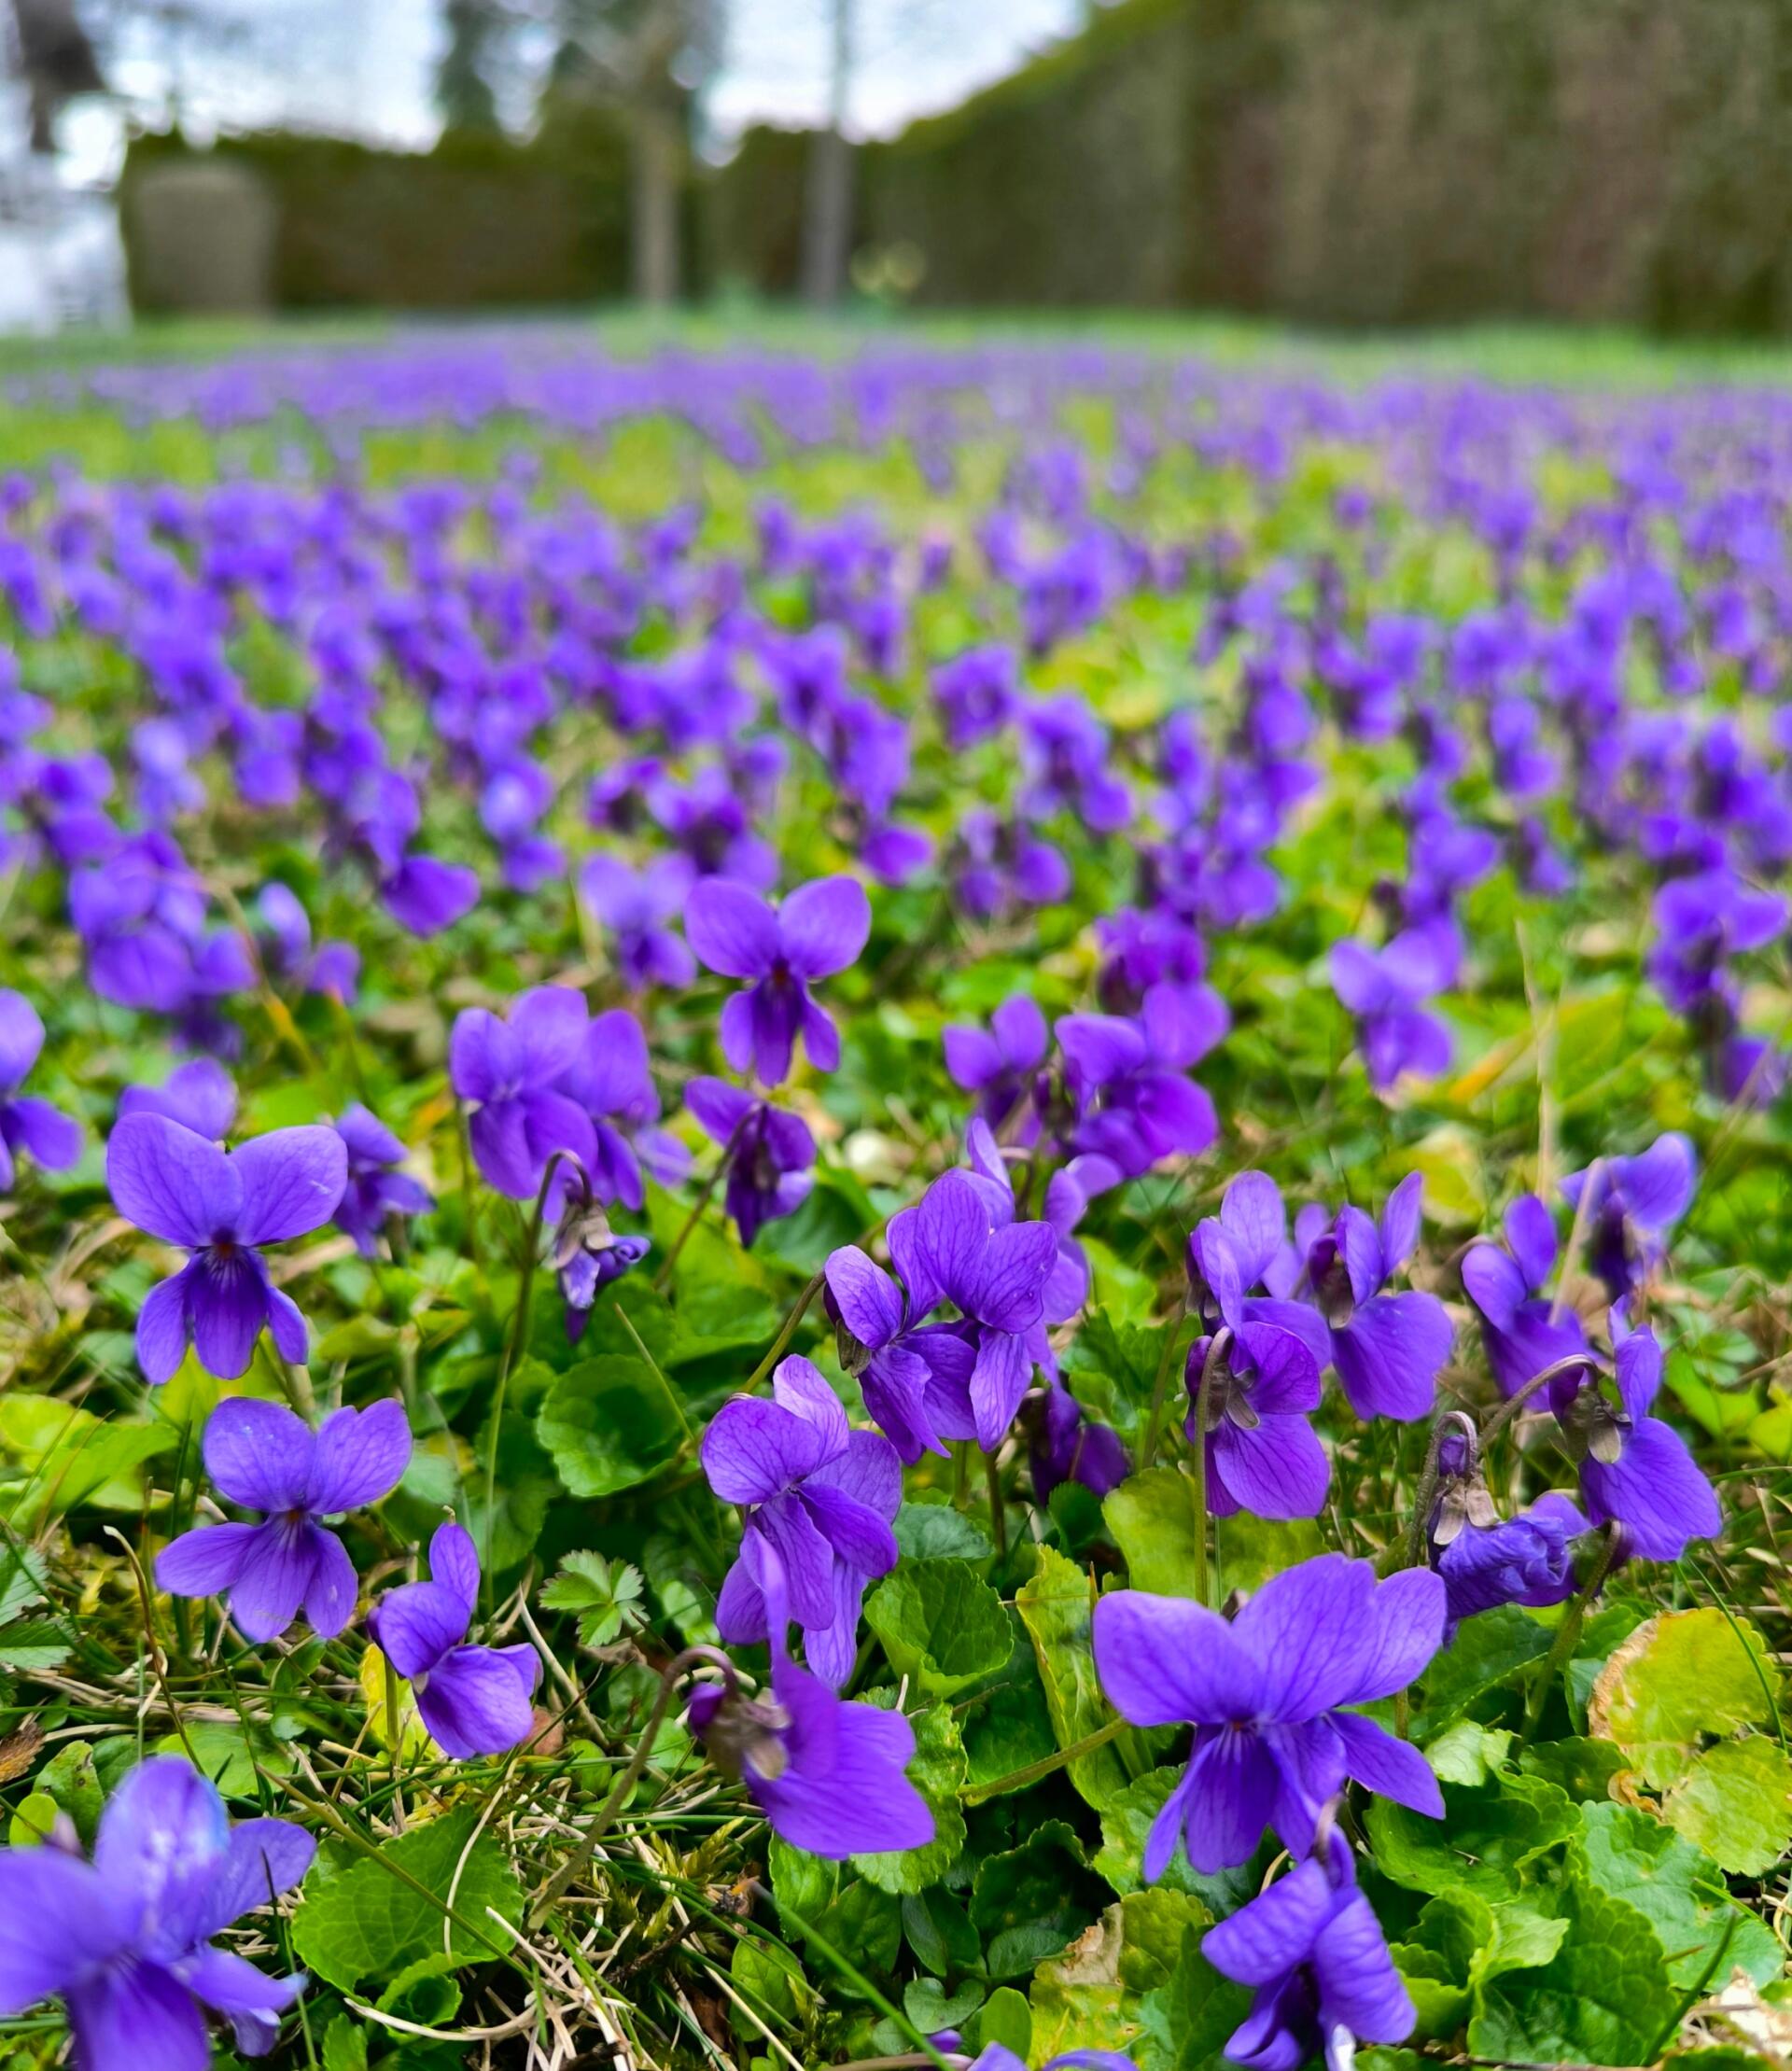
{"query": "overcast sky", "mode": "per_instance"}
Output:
(364, 66)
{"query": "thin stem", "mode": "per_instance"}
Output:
(664, 1276)
(998, 1514)
(1576, 1232)
(1160, 1388)
(1513, 1402)
(848, 1969)
(296, 1381)
(395, 1730)
(513, 1349)
(1216, 1350)
(158, 1659)
(786, 1333)
(568, 1871)
(470, 1213)
(1020, 1779)
(1567, 1635)
(627, 1322)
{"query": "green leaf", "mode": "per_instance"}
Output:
(32, 1824)
(1465, 1753)
(1024, 1903)
(1736, 1804)
(936, 1531)
(1006, 1725)
(1677, 1678)
(1584, 1769)
(1630, 1854)
(685, 1600)
(608, 1424)
(71, 1779)
(1485, 1839)
(367, 1921)
(345, 2045)
(1156, 1523)
(74, 1458)
(770, 1978)
(1186, 2023)
(1006, 2019)
(425, 1991)
(1488, 1651)
(34, 1643)
(606, 1595)
(1054, 1605)
(1603, 1997)
(939, 1624)
(937, 1772)
(937, 1927)
(1251, 1550)
(524, 1487)
(22, 1579)
(231, 1755)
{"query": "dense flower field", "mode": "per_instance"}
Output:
(930, 1208)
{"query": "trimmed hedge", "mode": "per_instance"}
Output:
(477, 220)
(1354, 162)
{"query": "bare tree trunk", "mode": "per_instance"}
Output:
(827, 227)
(658, 152)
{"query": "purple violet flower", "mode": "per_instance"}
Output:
(1265, 1695)
(221, 1206)
(635, 905)
(1385, 989)
(1314, 1952)
(126, 1941)
(588, 1254)
(611, 1079)
(1522, 1332)
(1135, 1104)
(1635, 1203)
(474, 1699)
(1251, 1386)
(1636, 1470)
(824, 1498)
(260, 1455)
(828, 1775)
(511, 1069)
(1526, 1559)
(999, 1064)
(951, 1247)
(1388, 1348)
(26, 1122)
(376, 1189)
(1066, 1444)
(817, 931)
(770, 1152)
(199, 1095)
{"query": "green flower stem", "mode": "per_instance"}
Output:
(1216, 1350)
(1567, 1635)
(998, 1514)
(512, 1349)
(1020, 1779)
(1159, 1391)
(787, 1330)
(663, 1278)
